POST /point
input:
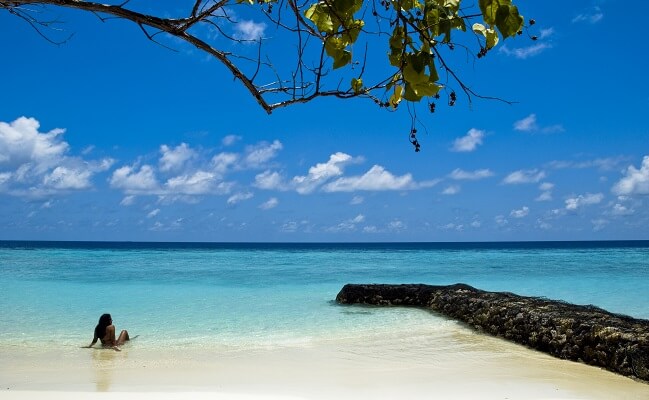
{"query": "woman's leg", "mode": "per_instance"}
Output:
(123, 337)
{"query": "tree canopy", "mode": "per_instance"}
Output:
(388, 51)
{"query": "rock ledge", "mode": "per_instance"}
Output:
(586, 334)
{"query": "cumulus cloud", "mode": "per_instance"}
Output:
(546, 191)
(174, 159)
(526, 124)
(262, 153)
(521, 213)
(249, 30)
(635, 181)
(524, 176)
(269, 180)
(591, 16)
(469, 142)
(604, 164)
(322, 172)
(239, 197)
(223, 162)
(153, 213)
(530, 125)
(197, 183)
(229, 140)
(347, 225)
(621, 210)
(127, 201)
(574, 203)
(459, 174)
(270, 203)
(451, 190)
(357, 200)
(525, 52)
(376, 179)
(37, 163)
(132, 180)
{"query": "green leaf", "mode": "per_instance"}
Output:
(320, 17)
(426, 89)
(343, 58)
(479, 29)
(395, 99)
(508, 20)
(492, 38)
(411, 75)
(410, 94)
(489, 9)
(357, 85)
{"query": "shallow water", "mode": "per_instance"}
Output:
(246, 296)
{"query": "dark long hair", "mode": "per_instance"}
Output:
(100, 329)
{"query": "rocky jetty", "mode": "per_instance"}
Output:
(586, 334)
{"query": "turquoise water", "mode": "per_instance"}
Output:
(269, 295)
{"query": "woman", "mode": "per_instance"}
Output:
(105, 332)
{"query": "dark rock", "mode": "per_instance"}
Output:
(587, 334)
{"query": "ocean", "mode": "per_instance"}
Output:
(233, 297)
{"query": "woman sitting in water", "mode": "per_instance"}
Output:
(105, 332)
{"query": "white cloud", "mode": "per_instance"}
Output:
(396, 225)
(524, 176)
(469, 142)
(174, 159)
(546, 186)
(525, 52)
(347, 225)
(37, 163)
(200, 182)
(357, 200)
(476, 224)
(574, 203)
(269, 180)
(249, 30)
(262, 153)
(544, 196)
(546, 191)
(451, 190)
(229, 140)
(132, 181)
(501, 220)
(635, 181)
(376, 179)
(153, 213)
(223, 162)
(591, 16)
(127, 201)
(453, 227)
(621, 210)
(239, 197)
(65, 178)
(459, 174)
(270, 203)
(529, 124)
(546, 33)
(599, 224)
(521, 213)
(322, 172)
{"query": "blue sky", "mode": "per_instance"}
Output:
(111, 137)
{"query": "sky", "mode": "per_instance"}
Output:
(111, 137)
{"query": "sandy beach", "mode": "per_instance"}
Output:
(455, 364)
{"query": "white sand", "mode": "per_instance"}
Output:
(458, 365)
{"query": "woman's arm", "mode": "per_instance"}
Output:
(94, 340)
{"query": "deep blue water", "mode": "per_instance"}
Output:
(263, 294)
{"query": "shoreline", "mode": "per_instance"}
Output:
(457, 364)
